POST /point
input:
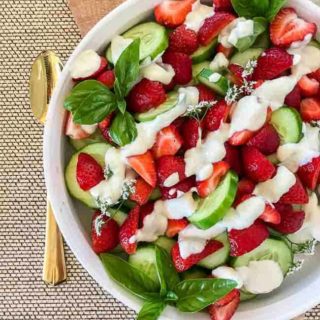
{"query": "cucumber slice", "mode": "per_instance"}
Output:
(219, 257)
(155, 195)
(219, 85)
(118, 215)
(171, 102)
(153, 36)
(214, 207)
(245, 295)
(241, 58)
(263, 41)
(205, 52)
(314, 43)
(197, 68)
(288, 123)
(96, 137)
(270, 249)
(97, 151)
(194, 273)
(165, 243)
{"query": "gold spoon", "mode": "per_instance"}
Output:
(43, 79)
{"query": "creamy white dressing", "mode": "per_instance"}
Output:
(89, 128)
(118, 45)
(171, 180)
(163, 73)
(228, 273)
(192, 95)
(181, 207)
(215, 77)
(219, 62)
(301, 44)
(85, 65)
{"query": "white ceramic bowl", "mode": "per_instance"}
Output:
(299, 293)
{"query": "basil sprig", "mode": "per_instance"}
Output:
(188, 295)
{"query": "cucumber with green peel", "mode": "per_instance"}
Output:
(96, 137)
(288, 123)
(194, 273)
(215, 206)
(204, 52)
(246, 296)
(242, 58)
(273, 158)
(219, 257)
(197, 68)
(154, 40)
(97, 151)
(170, 103)
(314, 43)
(165, 243)
(119, 216)
(215, 81)
(263, 41)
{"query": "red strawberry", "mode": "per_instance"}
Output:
(168, 142)
(145, 210)
(296, 195)
(172, 13)
(233, 158)
(146, 95)
(245, 186)
(213, 25)
(291, 221)
(310, 109)
(226, 51)
(215, 115)
(222, 5)
(185, 264)
(182, 65)
(256, 166)
(142, 192)
(308, 86)
(183, 186)
(241, 137)
(225, 308)
(246, 240)
(272, 63)
(145, 166)
(107, 78)
(207, 186)
(73, 130)
(104, 127)
(183, 40)
(287, 28)
(315, 75)
(89, 172)
(190, 133)
(107, 238)
(175, 226)
(293, 99)
(170, 86)
(168, 165)
(236, 71)
(266, 140)
(270, 215)
(309, 173)
(129, 229)
(241, 198)
(205, 94)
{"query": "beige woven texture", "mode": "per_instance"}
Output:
(26, 28)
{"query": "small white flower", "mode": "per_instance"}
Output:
(297, 265)
(98, 223)
(249, 68)
(128, 189)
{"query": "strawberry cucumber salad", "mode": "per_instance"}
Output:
(197, 146)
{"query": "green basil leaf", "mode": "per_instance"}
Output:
(196, 294)
(123, 129)
(90, 102)
(167, 273)
(151, 310)
(129, 277)
(274, 7)
(127, 69)
(122, 105)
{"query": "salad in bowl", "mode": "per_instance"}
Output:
(196, 145)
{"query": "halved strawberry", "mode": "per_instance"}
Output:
(213, 25)
(309, 173)
(270, 215)
(222, 5)
(256, 166)
(293, 99)
(145, 166)
(297, 194)
(168, 165)
(185, 264)
(190, 130)
(236, 74)
(241, 137)
(245, 186)
(207, 186)
(310, 109)
(183, 40)
(172, 13)
(104, 127)
(107, 78)
(308, 86)
(183, 186)
(73, 130)
(89, 172)
(225, 308)
(233, 158)
(168, 142)
(128, 230)
(142, 192)
(226, 51)
(145, 210)
(205, 94)
(175, 226)
(215, 115)
(246, 240)
(287, 27)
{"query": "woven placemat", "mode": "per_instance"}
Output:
(26, 28)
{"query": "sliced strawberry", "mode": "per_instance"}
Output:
(308, 86)
(168, 165)
(233, 158)
(175, 226)
(270, 215)
(246, 240)
(291, 221)
(207, 186)
(168, 142)
(142, 192)
(104, 127)
(89, 172)
(213, 25)
(236, 71)
(256, 166)
(245, 186)
(293, 99)
(107, 78)
(225, 308)
(315, 75)
(309, 173)
(145, 166)
(272, 63)
(190, 133)
(287, 27)
(182, 65)
(297, 194)
(128, 230)
(310, 109)
(183, 186)
(205, 94)
(183, 40)
(226, 51)
(241, 137)
(172, 13)
(73, 130)
(185, 264)
(145, 210)
(241, 198)
(222, 5)
(265, 140)
(215, 115)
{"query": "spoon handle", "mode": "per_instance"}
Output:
(54, 267)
